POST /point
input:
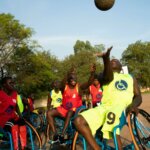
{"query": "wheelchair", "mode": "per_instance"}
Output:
(59, 123)
(139, 127)
(139, 130)
(37, 122)
(36, 138)
(6, 141)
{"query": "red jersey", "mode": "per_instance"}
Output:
(71, 98)
(14, 96)
(7, 108)
(30, 103)
(96, 94)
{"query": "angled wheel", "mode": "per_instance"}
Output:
(35, 120)
(78, 142)
(36, 137)
(139, 126)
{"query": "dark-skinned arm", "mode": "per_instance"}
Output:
(63, 83)
(49, 101)
(137, 99)
(85, 85)
(107, 75)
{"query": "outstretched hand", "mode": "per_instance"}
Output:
(72, 70)
(104, 54)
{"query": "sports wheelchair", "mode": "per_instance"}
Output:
(59, 123)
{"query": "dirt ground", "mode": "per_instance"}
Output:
(146, 102)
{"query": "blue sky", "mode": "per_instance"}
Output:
(58, 24)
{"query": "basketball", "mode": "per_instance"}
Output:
(104, 5)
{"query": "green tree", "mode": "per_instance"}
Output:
(34, 71)
(20, 57)
(86, 46)
(82, 62)
(12, 35)
(137, 57)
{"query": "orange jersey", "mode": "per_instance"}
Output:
(71, 98)
(96, 94)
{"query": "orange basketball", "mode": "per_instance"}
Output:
(104, 4)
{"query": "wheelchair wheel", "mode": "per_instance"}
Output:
(35, 120)
(78, 142)
(36, 137)
(139, 126)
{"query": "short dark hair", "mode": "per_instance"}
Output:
(4, 80)
(71, 77)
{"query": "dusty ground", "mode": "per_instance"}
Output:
(146, 102)
(125, 132)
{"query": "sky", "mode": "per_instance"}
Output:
(58, 24)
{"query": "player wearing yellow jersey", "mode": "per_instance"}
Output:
(119, 93)
(55, 96)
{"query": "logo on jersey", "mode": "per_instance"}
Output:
(9, 110)
(69, 105)
(59, 100)
(98, 96)
(121, 85)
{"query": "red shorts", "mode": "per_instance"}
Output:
(64, 111)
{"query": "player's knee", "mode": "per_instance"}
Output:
(79, 121)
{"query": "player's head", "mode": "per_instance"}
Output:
(56, 84)
(95, 82)
(116, 65)
(72, 80)
(7, 84)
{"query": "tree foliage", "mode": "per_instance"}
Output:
(137, 58)
(86, 46)
(12, 35)
(82, 62)
(20, 58)
(33, 71)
